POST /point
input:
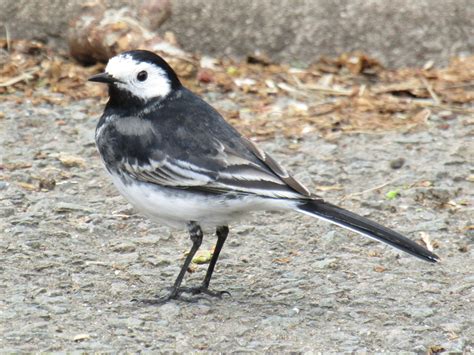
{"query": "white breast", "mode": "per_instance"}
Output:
(177, 207)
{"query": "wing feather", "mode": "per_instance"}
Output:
(235, 174)
(277, 168)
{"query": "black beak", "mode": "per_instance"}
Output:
(104, 78)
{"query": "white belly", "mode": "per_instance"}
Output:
(176, 207)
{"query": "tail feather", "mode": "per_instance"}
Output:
(366, 227)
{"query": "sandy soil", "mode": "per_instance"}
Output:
(74, 255)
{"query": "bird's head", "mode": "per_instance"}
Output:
(140, 74)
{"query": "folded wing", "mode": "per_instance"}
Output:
(235, 174)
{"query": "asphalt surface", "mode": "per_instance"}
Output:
(74, 254)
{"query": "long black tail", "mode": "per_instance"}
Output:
(365, 227)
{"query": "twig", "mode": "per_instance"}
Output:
(457, 86)
(298, 82)
(7, 36)
(291, 89)
(430, 90)
(369, 190)
(329, 91)
(423, 103)
(391, 89)
(24, 76)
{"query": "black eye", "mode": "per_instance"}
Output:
(142, 75)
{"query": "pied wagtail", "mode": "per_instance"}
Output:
(179, 162)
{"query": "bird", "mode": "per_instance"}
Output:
(180, 163)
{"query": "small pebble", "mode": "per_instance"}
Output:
(397, 163)
(124, 248)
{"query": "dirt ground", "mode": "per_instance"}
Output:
(74, 253)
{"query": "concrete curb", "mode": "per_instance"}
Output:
(397, 32)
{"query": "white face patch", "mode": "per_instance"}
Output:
(125, 68)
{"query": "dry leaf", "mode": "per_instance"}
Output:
(374, 253)
(422, 116)
(27, 186)
(435, 349)
(70, 161)
(192, 268)
(427, 240)
(379, 268)
(81, 337)
(281, 260)
(341, 101)
(99, 33)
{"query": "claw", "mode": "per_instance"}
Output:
(203, 290)
(175, 294)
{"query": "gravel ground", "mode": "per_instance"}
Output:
(75, 254)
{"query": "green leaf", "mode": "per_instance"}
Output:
(202, 257)
(232, 70)
(392, 195)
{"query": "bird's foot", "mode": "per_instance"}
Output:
(204, 290)
(175, 294)
(156, 300)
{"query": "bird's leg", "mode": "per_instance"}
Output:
(195, 234)
(221, 232)
(196, 237)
